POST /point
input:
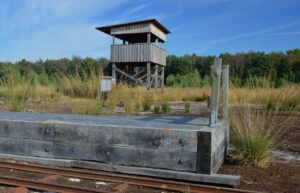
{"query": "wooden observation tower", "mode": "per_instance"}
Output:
(139, 58)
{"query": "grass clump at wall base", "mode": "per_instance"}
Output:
(16, 107)
(90, 108)
(187, 107)
(257, 130)
(157, 109)
(146, 106)
(165, 107)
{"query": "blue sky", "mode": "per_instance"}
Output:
(52, 29)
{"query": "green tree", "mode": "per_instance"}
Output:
(260, 65)
(178, 65)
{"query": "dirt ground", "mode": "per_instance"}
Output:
(281, 175)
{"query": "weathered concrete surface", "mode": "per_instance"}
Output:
(169, 143)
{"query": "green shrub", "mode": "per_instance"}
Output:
(165, 107)
(283, 83)
(146, 106)
(157, 109)
(190, 80)
(187, 106)
(16, 107)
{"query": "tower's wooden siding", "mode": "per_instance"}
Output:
(138, 53)
(131, 29)
(139, 28)
(161, 35)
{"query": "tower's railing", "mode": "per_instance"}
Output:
(142, 52)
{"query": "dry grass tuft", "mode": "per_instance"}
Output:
(257, 128)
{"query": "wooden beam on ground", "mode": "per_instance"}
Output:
(215, 91)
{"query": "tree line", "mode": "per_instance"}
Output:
(193, 69)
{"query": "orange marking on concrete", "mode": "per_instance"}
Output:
(167, 128)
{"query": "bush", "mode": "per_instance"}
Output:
(146, 106)
(189, 80)
(187, 106)
(283, 83)
(156, 109)
(165, 107)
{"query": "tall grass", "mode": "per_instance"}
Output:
(257, 128)
(16, 88)
(84, 85)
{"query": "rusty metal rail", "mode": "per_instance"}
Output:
(110, 177)
(45, 185)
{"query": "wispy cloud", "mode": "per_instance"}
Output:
(134, 10)
(250, 34)
(53, 28)
(282, 33)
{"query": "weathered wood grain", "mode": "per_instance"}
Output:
(138, 53)
(225, 81)
(215, 90)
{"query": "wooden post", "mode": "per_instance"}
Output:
(148, 76)
(156, 41)
(215, 92)
(163, 45)
(162, 77)
(156, 77)
(114, 40)
(114, 71)
(225, 78)
(148, 38)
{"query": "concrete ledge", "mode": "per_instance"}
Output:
(158, 173)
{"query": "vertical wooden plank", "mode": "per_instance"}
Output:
(215, 91)
(163, 45)
(148, 76)
(211, 70)
(162, 79)
(156, 77)
(114, 71)
(114, 40)
(149, 38)
(225, 77)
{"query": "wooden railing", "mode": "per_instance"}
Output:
(138, 53)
